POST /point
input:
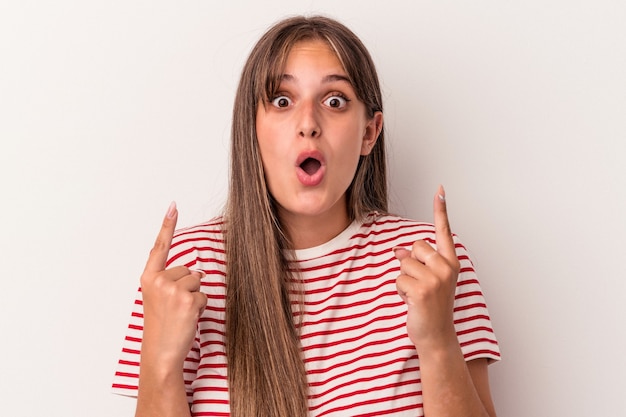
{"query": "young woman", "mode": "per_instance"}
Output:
(306, 298)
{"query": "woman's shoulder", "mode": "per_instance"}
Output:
(211, 227)
(385, 231)
(404, 228)
(385, 222)
(204, 240)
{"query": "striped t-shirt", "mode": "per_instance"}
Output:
(358, 356)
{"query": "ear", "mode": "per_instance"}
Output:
(372, 130)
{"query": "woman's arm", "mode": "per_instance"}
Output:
(172, 305)
(480, 375)
(161, 394)
(427, 283)
(453, 387)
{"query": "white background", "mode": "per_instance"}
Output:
(111, 109)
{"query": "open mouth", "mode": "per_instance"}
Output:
(310, 165)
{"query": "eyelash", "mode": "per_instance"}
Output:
(274, 100)
(332, 95)
(338, 95)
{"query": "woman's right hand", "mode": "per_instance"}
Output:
(172, 304)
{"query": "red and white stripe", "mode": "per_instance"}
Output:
(358, 357)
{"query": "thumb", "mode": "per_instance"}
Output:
(401, 253)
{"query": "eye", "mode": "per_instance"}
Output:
(281, 101)
(336, 101)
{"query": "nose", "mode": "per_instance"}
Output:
(308, 121)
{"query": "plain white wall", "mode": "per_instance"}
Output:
(111, 109)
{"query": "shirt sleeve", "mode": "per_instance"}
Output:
(471, 317)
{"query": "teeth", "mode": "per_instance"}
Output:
(310, 165)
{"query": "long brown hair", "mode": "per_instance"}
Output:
(266, 373)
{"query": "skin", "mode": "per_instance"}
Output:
(316, 109)
(310, 113)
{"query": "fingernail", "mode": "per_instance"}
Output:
(171, 211)
(397, 248)
(202, 274)
(442, 194)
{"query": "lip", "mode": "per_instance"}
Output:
(306, 179)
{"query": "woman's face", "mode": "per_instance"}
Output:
(311, 135)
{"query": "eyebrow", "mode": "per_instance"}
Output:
(327, 79)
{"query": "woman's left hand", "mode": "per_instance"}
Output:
(427, 284)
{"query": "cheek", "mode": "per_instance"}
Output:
(265, 141)
(269, 147)
(270, 138)
(353, 145)
(271, 154)
(350, 155)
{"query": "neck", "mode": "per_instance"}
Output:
(306, 231)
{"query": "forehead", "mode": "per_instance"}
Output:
(313, 54)
(288, 61)
(312, 46)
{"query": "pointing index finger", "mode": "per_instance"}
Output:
(445, 243)
(158, 254)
